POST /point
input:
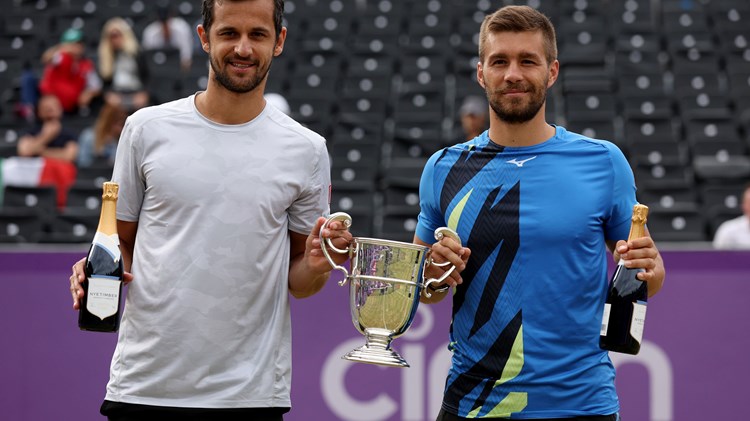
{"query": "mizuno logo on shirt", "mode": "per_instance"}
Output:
(521, 162)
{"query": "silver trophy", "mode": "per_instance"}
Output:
(385, 283)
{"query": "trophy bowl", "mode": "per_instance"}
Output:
(386, 280)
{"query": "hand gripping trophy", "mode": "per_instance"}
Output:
(386, 279)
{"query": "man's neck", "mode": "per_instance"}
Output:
(532, 132)
(225, 107)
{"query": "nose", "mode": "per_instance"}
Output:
(244, 47)
(513, 73)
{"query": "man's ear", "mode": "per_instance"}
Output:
(480, 74)
(203, 35)
(280, 42)
(554, 72)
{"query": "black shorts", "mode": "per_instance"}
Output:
(447, 416)
(119, 411)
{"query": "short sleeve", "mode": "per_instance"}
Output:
(430, 216)
(623, 197)
(127, 173)
(315, 199)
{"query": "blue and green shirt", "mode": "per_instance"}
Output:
(526, 320)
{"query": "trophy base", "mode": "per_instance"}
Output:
(379, 356)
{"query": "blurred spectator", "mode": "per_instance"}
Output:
(169, 31)
(734, 234)
(278, 101)
(122, 67)
(46, 155)
(49, 139)
(68, 74)
(98, 144)
(474, 113)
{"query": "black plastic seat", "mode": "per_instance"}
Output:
(677, 225)
(20, 226)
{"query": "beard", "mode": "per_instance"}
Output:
(514, 111)
(238, 86)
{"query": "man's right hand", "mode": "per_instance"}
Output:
(77, 278)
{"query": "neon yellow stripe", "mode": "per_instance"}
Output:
(457, 211)
(515, 362)
(515, 401)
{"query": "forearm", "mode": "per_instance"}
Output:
(304, 282)
(30, 146)
(68, 153)
(657, 281)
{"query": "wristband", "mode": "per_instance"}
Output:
(441, 289)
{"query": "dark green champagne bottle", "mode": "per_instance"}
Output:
(100, 307)
(625, 309)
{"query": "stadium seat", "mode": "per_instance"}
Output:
(72, 227)
(663, 176)
(20, 226)
(672, 198)
(41, 200)
(722, 167)
(354, 177)
(676, 225)
(397, 227)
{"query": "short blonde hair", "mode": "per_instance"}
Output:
(519, 19)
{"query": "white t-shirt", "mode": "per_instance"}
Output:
(206, 320)
(733, 234)
(181, 37)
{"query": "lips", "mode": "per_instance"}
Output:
(514, 90)
(241, 65)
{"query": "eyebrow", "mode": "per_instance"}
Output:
(227, 27)
(522, 55)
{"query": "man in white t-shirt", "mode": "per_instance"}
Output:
(219, 218)
(734, 234)
(169, 31)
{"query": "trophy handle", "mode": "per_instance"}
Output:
(325, 243)
(439, 234)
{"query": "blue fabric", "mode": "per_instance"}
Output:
(525, 330)
(29, 91)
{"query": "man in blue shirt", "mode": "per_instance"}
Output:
(537, 207)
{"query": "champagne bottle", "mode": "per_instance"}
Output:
(100, 306)
(625, 309)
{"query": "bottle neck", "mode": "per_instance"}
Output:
(108, 217)
(637, 230)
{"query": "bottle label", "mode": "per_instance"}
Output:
(605, 320)
(638, 321)
(110, 243)
(103, 296)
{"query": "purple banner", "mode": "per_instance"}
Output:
(692, 365)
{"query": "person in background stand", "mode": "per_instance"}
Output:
(219, 218)
(49, 139)
(69, 74)
(98, 144)
(734, 234)
(169, 31)
(122, 67)
(46, 154)
(474, 116)
(537, 208)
